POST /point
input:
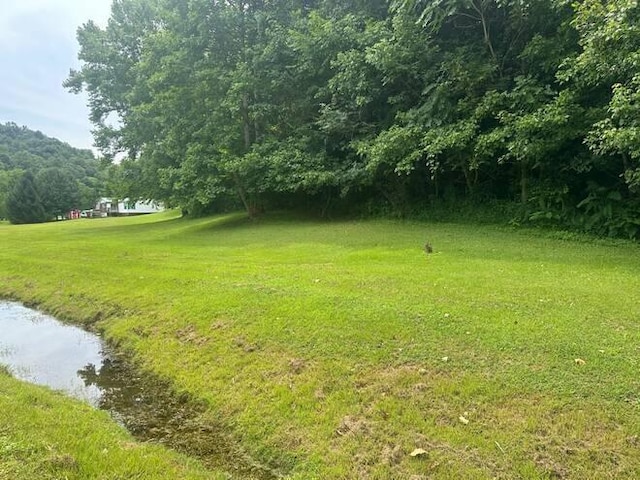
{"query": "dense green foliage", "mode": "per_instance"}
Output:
(65, 177)
(392, 105)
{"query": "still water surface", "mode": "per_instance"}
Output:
(39, 349)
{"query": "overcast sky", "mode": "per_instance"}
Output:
(37, 48)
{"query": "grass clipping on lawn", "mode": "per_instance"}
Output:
(342, 350)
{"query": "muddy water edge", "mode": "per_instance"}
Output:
(146, 404)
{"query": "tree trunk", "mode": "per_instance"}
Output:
(246, 122)
(243, 196)
(486, 32)
(468, 180)
(626, 163)
(524, 183)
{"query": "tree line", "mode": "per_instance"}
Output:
(42, 178)
(390, 105)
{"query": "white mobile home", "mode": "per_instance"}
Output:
(111, 207)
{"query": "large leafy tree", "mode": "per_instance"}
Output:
(232, 111)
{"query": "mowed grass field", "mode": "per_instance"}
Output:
(340, 350)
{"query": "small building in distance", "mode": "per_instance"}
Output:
(107, 207)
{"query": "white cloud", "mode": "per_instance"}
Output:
(37, 49)
(61, 14)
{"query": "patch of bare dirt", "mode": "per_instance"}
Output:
(190, 335)
(297, 365)
(352, 426)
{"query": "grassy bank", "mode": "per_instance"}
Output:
(44, 435)
(335, 350)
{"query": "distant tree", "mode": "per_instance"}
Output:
(89, 194)
(8, 178)
(58, 190)
(24, 204)
(5, 161)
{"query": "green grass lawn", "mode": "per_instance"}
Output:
(337, 349)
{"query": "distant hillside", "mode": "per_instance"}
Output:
(30, 150)
(23, 150)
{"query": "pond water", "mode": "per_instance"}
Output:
(40, 349)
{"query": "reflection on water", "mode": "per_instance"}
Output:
(150, 409)
(39, 349)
